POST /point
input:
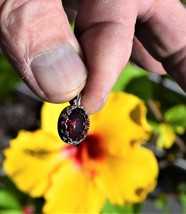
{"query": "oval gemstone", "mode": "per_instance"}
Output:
(73, 124)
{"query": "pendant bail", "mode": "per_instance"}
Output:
(76, 101)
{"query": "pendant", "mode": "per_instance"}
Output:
(73, 123)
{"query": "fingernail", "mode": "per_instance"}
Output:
(59, 73)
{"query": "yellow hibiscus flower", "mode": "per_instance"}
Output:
(109, 164)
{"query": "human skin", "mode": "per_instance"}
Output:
(57, 65)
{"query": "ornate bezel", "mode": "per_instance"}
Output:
(63, 128)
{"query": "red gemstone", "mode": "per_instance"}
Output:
(73, 124)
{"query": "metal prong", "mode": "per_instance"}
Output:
(75, 101)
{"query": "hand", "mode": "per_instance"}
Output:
(57, 65)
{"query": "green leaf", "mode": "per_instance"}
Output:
(155, 126)
(141, 87)
(8, 77)
(10, 187)
(11, 211)
(182, 198)
(182, 188)
(161, 202)
(183, 1)
(8, 200)
(72, 26)
(137, 208)
(179, 130)
(129, 72)
(176, 116)
(116, 209)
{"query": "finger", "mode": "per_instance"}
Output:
(142, 58)
(37, 38)
(105, 31)
(162, 30)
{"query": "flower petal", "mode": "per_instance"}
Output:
(31, 159)
(121, 122)
(72, 192)
(128, 180)
(49, 117)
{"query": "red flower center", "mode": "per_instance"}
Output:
(92, 149)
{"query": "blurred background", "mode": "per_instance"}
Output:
(20, 109)
(166, 103)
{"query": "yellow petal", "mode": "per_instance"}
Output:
(123, 119)
(130, 179)
(72, 192)
(49, 117)
(31, 159)
(121, 122)
(166, 136)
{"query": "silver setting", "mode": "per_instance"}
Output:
(64, 119)
(76, 101)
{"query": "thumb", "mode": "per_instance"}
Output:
(38, 41)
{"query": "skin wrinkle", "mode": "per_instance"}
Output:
(161, 46)
(110, 29)
(20, 21)
(24, 75)
(72, 91)
(105, 29)
(8, 38)
(92, 32)
(1, 2)
(148, 9)
(143, 18)
(22, 67)
(163, 49)
(30, 36)
(176, 57)
(140, 55)
(151, 15)
(175, 61)
(116, 15)
(14, 5)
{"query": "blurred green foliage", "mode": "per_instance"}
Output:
(161, 203)
(8, 79)
(12, 201)
(176, 116)
(135, 76)
(8, 200)
(167, 108)
(116, 209)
